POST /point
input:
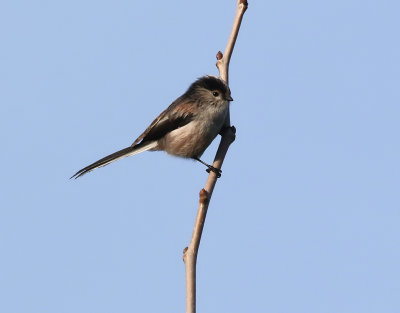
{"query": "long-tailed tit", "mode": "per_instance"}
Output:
(185, 129)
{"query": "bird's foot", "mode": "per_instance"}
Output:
(217, 171)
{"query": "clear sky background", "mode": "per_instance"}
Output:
(306, 215)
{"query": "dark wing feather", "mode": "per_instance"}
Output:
(178, 114)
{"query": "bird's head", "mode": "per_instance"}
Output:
(210, 89)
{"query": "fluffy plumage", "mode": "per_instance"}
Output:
(185, 129)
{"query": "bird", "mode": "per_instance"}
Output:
(185, 129)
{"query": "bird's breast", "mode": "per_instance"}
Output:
(192, 140)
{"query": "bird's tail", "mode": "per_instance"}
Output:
(116, 156)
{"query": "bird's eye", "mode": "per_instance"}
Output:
(215, 94)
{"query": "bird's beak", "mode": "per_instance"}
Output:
(229, 98)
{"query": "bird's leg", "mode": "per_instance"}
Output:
(210, 168)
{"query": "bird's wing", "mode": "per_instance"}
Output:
(176, 115)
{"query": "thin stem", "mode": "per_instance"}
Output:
(190, 253)
(227, 137)
(224, 59)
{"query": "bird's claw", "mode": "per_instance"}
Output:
(217, 171)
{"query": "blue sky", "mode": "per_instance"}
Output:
(306, 215)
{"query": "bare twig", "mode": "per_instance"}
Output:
(227, 137)
(190, 253)
(223, 59)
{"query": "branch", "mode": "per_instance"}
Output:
(227, 137)
(224, 59)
